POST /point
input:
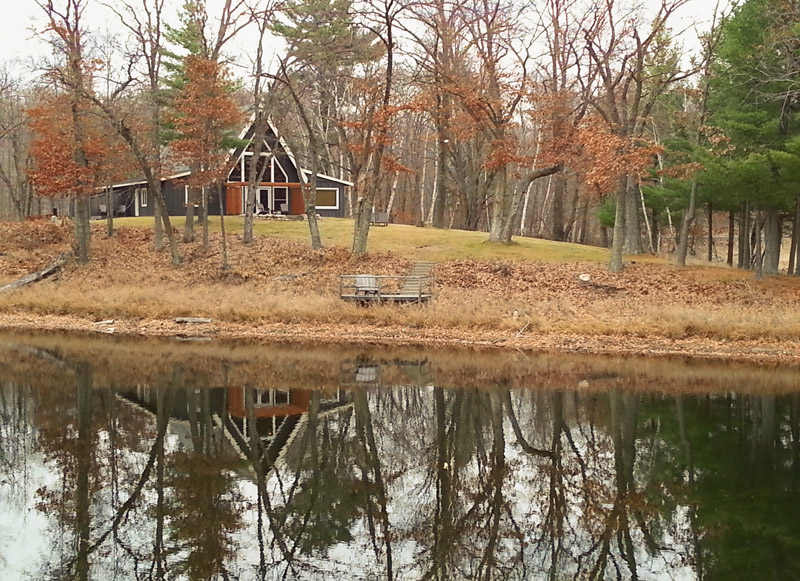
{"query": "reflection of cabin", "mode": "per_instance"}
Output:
(276, 414)
(279, 191)
(276, 417)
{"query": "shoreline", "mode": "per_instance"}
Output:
(755, 352)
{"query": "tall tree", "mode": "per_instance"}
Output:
(142, 131)
(205, 116)
(634, 63)
(72, 73)
(323, 44)
(380, 18)
(55, 172)
(754, 101)
(16, 198)
(197, 37)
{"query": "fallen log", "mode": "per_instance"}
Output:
(192, 320)
(36, 276)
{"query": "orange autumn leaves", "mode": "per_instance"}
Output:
(204, 115)
(74, 152)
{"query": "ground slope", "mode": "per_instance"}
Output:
(277, 288)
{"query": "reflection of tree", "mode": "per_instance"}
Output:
(72, 449)
(617, 525)
(324, 506)
(16, 447)
(204, 506)
(476, 484)
(372, 477)
(746, 485)
(472, 521)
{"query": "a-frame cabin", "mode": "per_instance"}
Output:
(279, 191)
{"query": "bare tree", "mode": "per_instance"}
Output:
(17, 193)
(624, 52)
(144, 23)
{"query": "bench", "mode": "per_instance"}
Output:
(367, 284)
(379, 219)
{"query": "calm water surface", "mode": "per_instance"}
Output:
(161, 460)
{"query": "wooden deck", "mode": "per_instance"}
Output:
(416, 287)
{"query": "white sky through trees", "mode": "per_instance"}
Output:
(21, 49)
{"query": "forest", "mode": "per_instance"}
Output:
(592, 122)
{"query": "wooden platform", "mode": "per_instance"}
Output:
(416, 287)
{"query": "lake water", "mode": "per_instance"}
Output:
(124, 459)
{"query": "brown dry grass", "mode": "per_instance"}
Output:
(280, 281)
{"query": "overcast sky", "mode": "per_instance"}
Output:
(20, 46)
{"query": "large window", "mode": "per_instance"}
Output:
(279, 174)
(328, 198)
(268, 398)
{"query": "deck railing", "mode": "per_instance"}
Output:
(371, 287)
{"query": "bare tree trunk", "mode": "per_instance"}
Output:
(731, 231)
(109, 212)
(392, 192)
(439, 200)
(710, 219)
(188, 226)
(82, 231)
(557, 209)
(758, 259)
(500, 208)
(646, 220)
(745, 225)
(310, 201)
(225, 265)
(633, 236)
(794, 246)
(158, 227)
(422, 187)
(362, 217)
(772, 242)
(204, 210)
(618, 243)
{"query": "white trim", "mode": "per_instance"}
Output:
(144, 182)
(336, 207)
(307, 173)
(128, 184)
(143, 201)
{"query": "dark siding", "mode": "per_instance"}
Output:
(338, 213)
(174, 196)
(150, 208)
(288, 167)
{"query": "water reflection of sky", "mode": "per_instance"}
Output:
(23, 529)
(383, 474)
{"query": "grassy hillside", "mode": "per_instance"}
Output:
(428, 244)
